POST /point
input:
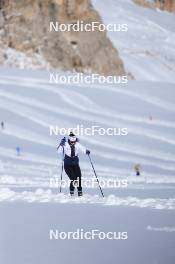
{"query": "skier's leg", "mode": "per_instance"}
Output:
(78, 177)
(70, 173)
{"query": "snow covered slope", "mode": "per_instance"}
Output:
(148, 47)
(29, 105)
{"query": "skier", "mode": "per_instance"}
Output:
(18, 151)
(137, 169)
(2, 125)
(71, 161)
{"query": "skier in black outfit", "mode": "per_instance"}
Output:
(71, 161)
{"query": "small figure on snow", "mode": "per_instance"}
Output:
(18, 151)
(137, 169)
(2, 125)
(71, 149)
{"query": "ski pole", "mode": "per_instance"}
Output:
(60, 143)
(62, 170)
(96, 175)
(58, 146)
(62, 164)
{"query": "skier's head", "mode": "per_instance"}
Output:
(72, 139)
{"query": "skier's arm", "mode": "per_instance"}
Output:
(60, 149)
(61, 145)
(83, 149)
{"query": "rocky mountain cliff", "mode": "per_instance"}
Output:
(24, 27)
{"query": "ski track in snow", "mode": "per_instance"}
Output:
(132, 129)
(34, 103)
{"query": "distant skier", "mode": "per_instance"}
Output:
(2, 125)
(18, 151)
(71, 161)
(137, 169)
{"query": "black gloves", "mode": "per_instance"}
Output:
(88, 152)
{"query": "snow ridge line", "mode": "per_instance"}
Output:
(42, 196)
